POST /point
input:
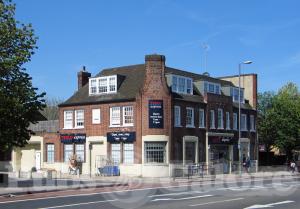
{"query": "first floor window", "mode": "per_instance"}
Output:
(201, 118)
(244, 122)
(235, 121)
(227, 120)
(128, 153)
(96, 116)
(68, 119)
(155, 152)
(79, 151)
(189, 117)
(177, 116)
(128, 116)
(115, 115)
(79, 118)
(116, 153)
(220, 118)
(212, 119)
(50, 153)
(68, 152)
(252, 123)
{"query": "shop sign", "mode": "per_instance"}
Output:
(262, 147)
(156, 114)
(73, 138)
(120, 137)
(221, 140)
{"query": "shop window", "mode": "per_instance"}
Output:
(155, 152)
(68, 152)
(115, 114)
(201, 118)
(79, 118)
(96, 116)
(68, 119)
(177, 121)
(220, 119)
(244, 122)
(212, 119)
(128, 153)
(79, 151)
(128, 116)
(227, 120)
(190, 117)
(116, 153)
(235, 121)
(50, 153)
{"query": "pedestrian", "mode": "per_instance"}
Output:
(293, 166)
(247, 164)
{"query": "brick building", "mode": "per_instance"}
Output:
(147, 117)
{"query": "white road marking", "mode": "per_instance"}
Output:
(215, 202)
(184, 198)
(243, 188)
(84, 203)
(269, 205)
(175, 194)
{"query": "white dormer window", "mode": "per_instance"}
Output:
(103, 85)
(234, 92)
(214, 88)
(181, 84)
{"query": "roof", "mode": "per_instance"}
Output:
(131, 85)
(48, 126)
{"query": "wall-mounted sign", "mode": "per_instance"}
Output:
(221, 140)
(156, 114)
(73, 138)
(120, 137)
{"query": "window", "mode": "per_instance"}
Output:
(50, 153)
(217, 89)
(116, 153)
(128, 153)
(68, 152)
(210, 87)
(227, 120)
(93, 86)
(182, 84)
(212, 119)
(68, 119)
(79, 151)
(220, 119)
(115, 114)
(201, 118)
(252, 123)
(235, 121)
(128, 116)
(155, 152)
(79, 118)
(107, 84)
(177, 121)
(235, 94)
(244, 122)
(189, 117)
(96, 116)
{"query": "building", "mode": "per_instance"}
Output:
(148, 117)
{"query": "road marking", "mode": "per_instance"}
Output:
(269, 205)
(174, 194)
(84, 203)
(243, 188)
(215, 202)
(184, 198)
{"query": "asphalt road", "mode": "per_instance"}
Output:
(249, 193)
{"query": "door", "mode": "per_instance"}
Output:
(38, 160)
(190, 152)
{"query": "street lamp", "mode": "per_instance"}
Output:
(240, 153)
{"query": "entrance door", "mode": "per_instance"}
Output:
(38, 160)
(190, 152)
(220, 158)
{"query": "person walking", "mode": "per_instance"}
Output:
(293, 166)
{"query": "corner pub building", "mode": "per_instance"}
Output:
(148, 117)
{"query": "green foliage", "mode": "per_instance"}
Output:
(19, 101)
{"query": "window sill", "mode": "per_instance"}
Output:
(252, 130)
(155, 164)
(127, 125)
(178, 126)
(78, 127)
(114, 126)
(212, 128)
(228, 129)
(68, 128)
(201, 126)
(220, 128)
(190, 126)
(244, 130)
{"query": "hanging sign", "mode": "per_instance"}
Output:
(156, 114)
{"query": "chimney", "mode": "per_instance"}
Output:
(155, 65)
(83, 77)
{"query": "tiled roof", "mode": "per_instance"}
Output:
(48, 126)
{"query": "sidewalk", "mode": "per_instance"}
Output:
(28, 186)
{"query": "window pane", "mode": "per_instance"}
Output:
(93, 86)
(50, 153)
(227, 120)
(189, 87)
(102, 85)
(235, 121)
(128, 115)
(79, 151)
(220, 118)
(96, 119)
(79, 118)
(114, 116)
(201, 118)
(190, 117)
(177, 115)
(116, 153)
(174, 84)
(155, 152)
(212, 119)
(128, 153)
(181, 85)
(68, 152)
(112, 84)
(68, 122)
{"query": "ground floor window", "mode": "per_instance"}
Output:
(155, 152)
(50, 153)
(68, 152)
(79, 151)
(128, 153)
(116, 153)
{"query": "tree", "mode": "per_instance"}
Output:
(19, 101)
(51, 109)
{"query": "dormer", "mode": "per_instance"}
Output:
(180, 84)
(211, 87)
(103, 85)
(234, 93)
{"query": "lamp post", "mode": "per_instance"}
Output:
(239, 142)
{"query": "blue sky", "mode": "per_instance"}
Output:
(101, 34)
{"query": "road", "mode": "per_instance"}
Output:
(279, 192)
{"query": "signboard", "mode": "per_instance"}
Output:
(262, 148)
(120, 137)
(73, 138)
(221, 140)
(156, 114)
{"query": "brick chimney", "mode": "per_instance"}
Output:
(83, 77)
(155, 64)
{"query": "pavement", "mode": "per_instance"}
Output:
(280, 190)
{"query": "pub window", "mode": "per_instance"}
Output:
(68, 119)
(50, 153)
(177, 116)
(235, 121)
(189, 117)
(201, 118)
(220, 119)
(79, 118)
(128, 153)
(227, 120)
(212, 119)
(96, 116)
(68, 152)
(155, 152)
(128, 116)
(115, 114)
(116, 153)
(79, 151)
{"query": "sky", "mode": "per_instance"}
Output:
(102, 34)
